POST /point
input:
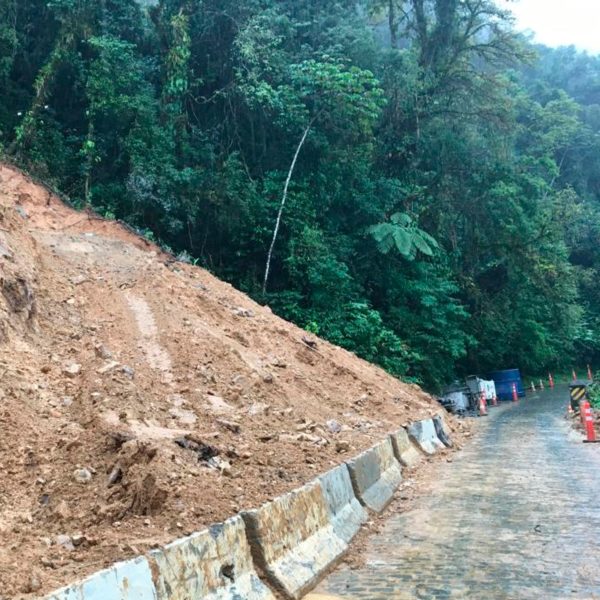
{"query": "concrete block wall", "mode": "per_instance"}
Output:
(292, 541)
(405, 450)
(129, 580)
(212, 564)
(375, 475)
(425, 437)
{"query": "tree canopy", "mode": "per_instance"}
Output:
(417, 183)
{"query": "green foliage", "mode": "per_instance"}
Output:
(443, 217)
(402, 234)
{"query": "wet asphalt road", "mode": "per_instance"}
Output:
(516, 515)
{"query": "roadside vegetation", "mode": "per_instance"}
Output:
(408, 179)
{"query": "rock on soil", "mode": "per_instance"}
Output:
(143, 399)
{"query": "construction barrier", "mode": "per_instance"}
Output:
(346, 513)
(442, 431)
(293, 540)
(424, 435)
(405, 450)
(375, 475)
(130, 580)
(213, 564)
(577, 392)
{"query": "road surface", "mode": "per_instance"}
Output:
(515, 516)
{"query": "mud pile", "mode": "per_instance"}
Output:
(142, 399)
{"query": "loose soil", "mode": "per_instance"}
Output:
(142, 399)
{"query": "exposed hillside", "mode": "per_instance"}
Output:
(142, 398)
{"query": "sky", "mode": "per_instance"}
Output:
(560, 22)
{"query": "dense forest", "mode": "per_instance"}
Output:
(409, 179)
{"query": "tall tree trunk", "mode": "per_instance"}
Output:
(393, 24)
(282, 205)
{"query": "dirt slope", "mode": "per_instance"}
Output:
(142, 399)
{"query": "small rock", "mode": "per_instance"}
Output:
(128, 372)
(342, 446)
(62, 511)
(71, 301)
(5, 252)
(109, 366)
(333, 426)
(103, 352)
(222, 465)
(234, 427)
(243, 312)
(78, 539)
(217, 405)
(258, 408)
(22, 212)
(115, 476)
(73, 370)
(67, 401)
(82, 475)
(305, 437)
(34, 584)
(267, 378)
(177, 400)
(279, 363)
(185, 417)
(78, 279)
(65, 541)
(309, 342)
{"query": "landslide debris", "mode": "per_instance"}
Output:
(142, 399)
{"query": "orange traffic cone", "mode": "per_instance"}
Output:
(551, 381)
(570, 410)
(532, 386)
(588, 421)
(590, 376)
(515, 395)
(482, 405)
(574, 375)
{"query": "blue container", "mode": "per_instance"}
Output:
(504, 381)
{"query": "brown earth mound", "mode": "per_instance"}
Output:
(142, 399)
